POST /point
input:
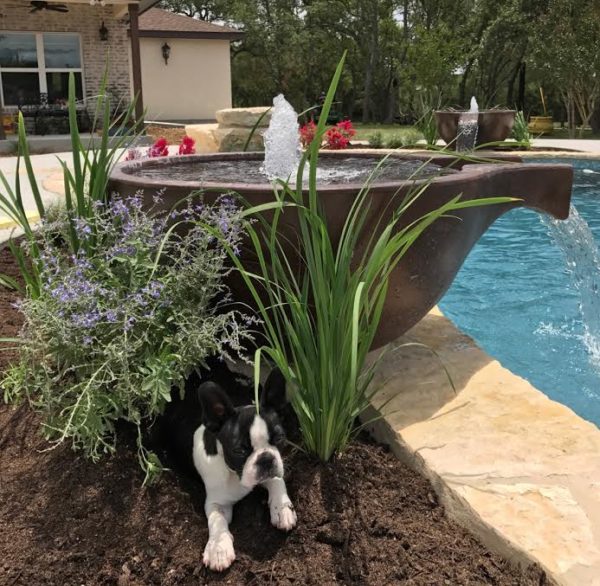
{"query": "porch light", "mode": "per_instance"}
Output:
(166, 53)
(103, 32)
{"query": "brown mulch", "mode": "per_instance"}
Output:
(363, 519)
(173, 134)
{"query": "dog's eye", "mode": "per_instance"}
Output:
(278, 438)
(241, 450)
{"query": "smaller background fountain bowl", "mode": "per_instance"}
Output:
(493, 125)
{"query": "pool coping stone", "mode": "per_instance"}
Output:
(520, 471)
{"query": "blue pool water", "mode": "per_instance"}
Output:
(515, 295)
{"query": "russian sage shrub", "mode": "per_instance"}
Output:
(112, 331)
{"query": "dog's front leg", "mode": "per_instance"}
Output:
(283, 515)
(218, 553)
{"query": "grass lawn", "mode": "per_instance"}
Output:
(364, 131)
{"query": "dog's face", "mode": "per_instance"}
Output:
(250, 440)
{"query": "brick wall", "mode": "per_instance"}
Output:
(85, 20)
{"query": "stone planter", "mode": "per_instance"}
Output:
(541, 125)
(231, 131)
(493, 125)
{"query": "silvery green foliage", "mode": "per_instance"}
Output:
(112, 331)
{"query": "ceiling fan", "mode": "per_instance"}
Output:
(44, 5)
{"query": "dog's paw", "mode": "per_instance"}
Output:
(219, 553)
(283, 516)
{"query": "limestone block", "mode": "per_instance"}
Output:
(234, 139)
(242, 117)
(204, 136)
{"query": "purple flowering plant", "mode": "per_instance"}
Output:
(113, 329)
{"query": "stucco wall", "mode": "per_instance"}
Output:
(85, 20)
(195, 83)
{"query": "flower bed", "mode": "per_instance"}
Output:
(364, 518)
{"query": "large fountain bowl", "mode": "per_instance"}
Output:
(493, 125)
(430, 265)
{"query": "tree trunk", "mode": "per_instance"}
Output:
(371, 63)
(462, 88)
(595, 121)
(521, 95)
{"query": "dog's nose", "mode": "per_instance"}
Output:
(265, 462)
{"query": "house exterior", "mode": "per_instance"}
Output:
(41, 43)
(192, 80)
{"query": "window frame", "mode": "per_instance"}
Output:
(41, 68)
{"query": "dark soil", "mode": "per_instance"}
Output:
(363, 519)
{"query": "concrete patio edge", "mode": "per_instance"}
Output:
(517, 469)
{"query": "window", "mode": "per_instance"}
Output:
(36, 66)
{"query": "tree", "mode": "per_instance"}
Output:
(565, 53)
(208, 10)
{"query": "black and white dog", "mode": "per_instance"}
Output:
(234, 449)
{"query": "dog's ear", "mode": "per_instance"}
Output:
(216, 406)
(273, 395)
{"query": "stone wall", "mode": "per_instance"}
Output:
(85, 20)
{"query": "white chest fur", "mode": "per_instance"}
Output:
(223, 486)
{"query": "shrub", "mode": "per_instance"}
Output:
(395, 141)
(427, 126)
(411, 137)
(376, 140)
(406, 138)
(520, 131)
(111, 331)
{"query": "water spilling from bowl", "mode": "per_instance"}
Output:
(582, 257)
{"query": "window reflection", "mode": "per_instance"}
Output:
(58, 87)
(18, 50)
(21, 89)
(62, 51)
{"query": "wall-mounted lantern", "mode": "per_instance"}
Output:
(166, 53)
(103, 32)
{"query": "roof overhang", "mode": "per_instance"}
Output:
(219, 36)
(120, 7)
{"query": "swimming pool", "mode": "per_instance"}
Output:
(515, 296)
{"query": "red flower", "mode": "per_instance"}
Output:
(159, 148)
(187, 146)
(133, 154)
(336, 140)
(346, 128)
(307, 133)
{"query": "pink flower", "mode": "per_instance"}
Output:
(159, 148)
(187, 146)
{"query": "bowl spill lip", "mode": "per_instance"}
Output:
(471, 171)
